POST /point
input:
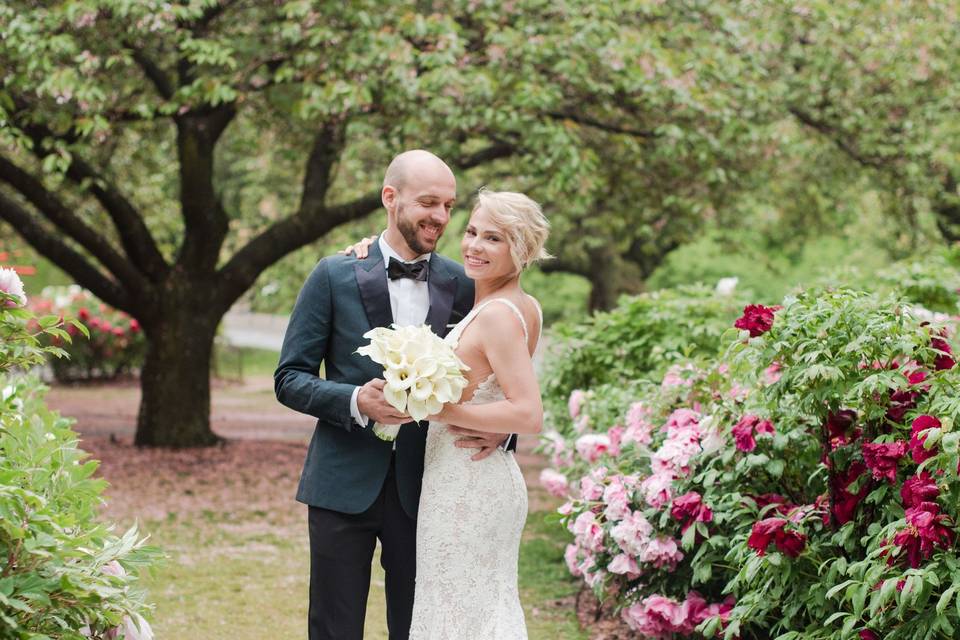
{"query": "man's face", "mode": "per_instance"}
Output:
(422, 211)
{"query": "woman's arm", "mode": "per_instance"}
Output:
(503, 344)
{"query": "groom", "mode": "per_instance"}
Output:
(359, 488)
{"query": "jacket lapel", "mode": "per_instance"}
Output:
(372, 281)
(443, 289)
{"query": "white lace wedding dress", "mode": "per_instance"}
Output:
(468, 532)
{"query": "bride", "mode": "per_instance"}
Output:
(472, 514)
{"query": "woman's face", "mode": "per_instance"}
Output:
(485, 249)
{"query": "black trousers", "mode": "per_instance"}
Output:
(341, 552)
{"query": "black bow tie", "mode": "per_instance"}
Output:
(414, 270)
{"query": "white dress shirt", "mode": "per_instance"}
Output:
(409, 303)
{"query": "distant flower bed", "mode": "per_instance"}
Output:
(801, 482)
(116, 346)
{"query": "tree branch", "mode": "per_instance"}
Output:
(603, 126)
(837, 137)
(208, 15)
(156, 75)
(132, 230)
(281, 238)
(493, 152)
(65, 220)
(63, 255)
(206, 221)
(327, 146)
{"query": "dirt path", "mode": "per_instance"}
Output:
(261, 435)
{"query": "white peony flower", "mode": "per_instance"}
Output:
(10, 283)
(726, 286)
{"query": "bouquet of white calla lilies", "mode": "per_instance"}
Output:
(421, 371)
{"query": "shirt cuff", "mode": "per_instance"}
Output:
(358, 417)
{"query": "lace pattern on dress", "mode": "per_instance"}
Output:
(468, 533)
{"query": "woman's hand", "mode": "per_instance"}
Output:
(360, 249)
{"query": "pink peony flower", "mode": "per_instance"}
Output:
(771, 374)
(690, 508)
(866, 634)
(662, 552)
(656, 617)
(638, 424)
(743, 433)
(590, 489)
(632, 534)
(683, 421)
(919, 489)
(11, 284)
(882, 459)
(555, 483)
(623, 564)
(658, 489)
(617, 498)
(615, 433)
(592, 446)
(571, 557)
(917, 438)
(757, 319)
(575, 403)
(839, 425)
(588, 532)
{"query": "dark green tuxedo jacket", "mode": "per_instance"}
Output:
(342, 299)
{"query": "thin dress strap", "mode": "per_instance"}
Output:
(515, 310)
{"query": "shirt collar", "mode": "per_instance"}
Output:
(388, 252)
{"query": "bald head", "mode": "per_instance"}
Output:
(414, 164)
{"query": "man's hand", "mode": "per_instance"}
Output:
(470, 439)
(372, 403)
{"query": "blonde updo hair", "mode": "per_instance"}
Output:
(521, 220)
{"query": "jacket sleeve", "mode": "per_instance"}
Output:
(297, 381)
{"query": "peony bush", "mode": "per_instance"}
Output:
(112, 346)
(63, 574)
(799, 482)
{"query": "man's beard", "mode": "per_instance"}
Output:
(409, 232)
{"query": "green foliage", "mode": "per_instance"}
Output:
(64, 573)
(111, 345)
(643, 336)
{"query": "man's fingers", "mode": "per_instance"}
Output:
(468, 443)
(483, 453)
(463, 431)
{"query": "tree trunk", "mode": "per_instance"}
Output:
(175, 381)
(610, 277)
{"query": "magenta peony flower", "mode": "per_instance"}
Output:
(839, 425)
(773, 530)
(756, 318)
(843, 503)
(866, 634)
(919, 489)
(918, 452)
(944, 360)
(555, 483)
(743, 431)
(926, 530)
(690, 508)
(882, 459)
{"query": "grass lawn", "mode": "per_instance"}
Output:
(245, 578)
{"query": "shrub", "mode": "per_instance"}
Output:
(64, 575)
(802, 485)
(114, 346)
